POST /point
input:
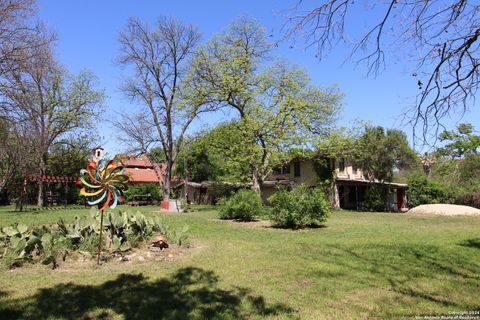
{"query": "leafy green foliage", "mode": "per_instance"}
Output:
(299, 208)
(468, 199)
(424, 191)
(469, 172)
(376, 199)
(277, 105)
(152, 189)
(378, 152)
(244, 205)
(200, 160)
(463, 142)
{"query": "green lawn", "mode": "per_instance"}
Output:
(360, 266)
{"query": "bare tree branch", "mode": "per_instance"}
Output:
(158, 57)
(445, 35)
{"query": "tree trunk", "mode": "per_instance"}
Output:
(40, 194)
(41, 185)
(43, 169)
(257, 183)
(166, 181)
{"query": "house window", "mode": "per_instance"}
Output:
(98, 153)
(285, 169)
(354, 168)
(277, 170)
(341, 165)
(296, 169)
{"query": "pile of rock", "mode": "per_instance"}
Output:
(445, 210)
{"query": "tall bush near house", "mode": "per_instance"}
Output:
(468, 199)
(299, 208)
(423, 191)
(376, 199)
(244, 205)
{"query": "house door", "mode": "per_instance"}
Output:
(399, 198)
(341, 195)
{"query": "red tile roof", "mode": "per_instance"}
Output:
(141, 175)
(141, 169)
(132, 161)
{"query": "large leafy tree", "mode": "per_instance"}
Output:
(49, 102)
(459, 143)
(378, 152)
(275, 104)
(219, 154)
(441, 37)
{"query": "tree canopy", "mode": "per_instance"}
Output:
(460, 143)
(378, 152)
(276, 106)
(48, 101)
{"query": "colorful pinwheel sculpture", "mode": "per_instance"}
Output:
(103, 183)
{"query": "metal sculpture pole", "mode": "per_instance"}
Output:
(103, 184)
(100, 239)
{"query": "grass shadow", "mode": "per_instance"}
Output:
(190, 293)
(412, 272)
(296, 228)
(471, 243)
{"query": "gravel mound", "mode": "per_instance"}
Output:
(445, 210)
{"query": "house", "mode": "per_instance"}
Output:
(349, 182)
(206, 192)
(141, 169)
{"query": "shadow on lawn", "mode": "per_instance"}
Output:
(471, 243)
(423, 272)
(191, 293)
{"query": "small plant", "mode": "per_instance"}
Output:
(55, 247)
(244, 205)
(51, 245)
(299, 208)
(17, 244)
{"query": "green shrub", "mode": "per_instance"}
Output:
(244, 205)
(423, 191)
(468, 199)
(375, 199)
(220, 190)
(299, 208)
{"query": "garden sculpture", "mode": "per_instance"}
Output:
(103, 183)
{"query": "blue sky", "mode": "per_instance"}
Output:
(88, 32)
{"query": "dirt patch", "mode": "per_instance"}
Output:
(251, 224)
(444, 210)
(76, 261)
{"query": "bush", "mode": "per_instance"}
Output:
(376, 199)
(469, 199)
(299, 208)
(219, 190)
(244, 205)
(423, 191)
